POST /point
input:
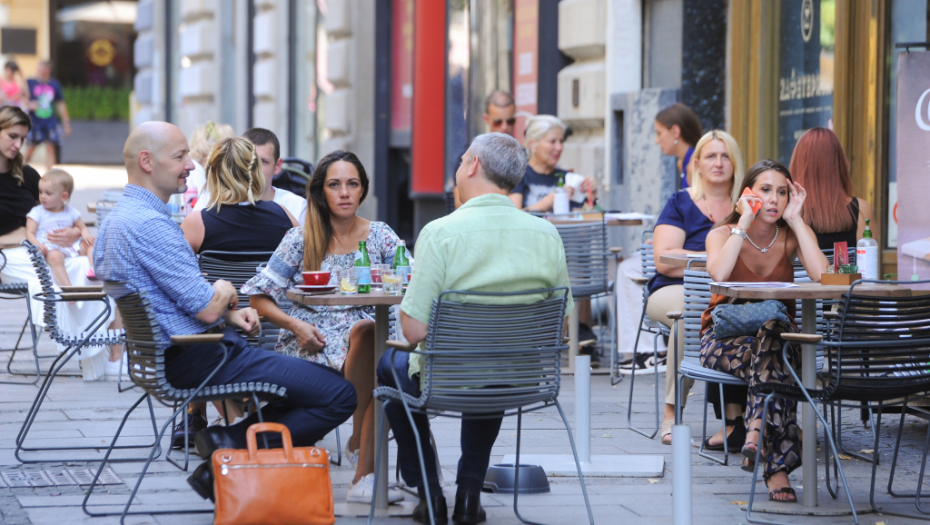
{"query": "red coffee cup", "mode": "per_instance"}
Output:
(316, 278)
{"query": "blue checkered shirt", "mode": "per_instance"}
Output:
(138, 243)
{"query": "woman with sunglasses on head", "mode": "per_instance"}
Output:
(759, 246)
(678, 129)
(339, 337)
(545, 136)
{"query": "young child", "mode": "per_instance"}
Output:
(54, 213)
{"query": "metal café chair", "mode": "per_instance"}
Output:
(483, 361)
(12, 292)
(645, 325)
(147, 370)
(878, 354)
(587, 252)
(72, 343)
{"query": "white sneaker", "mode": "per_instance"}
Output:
(350, 458)
(364, 490)
(111, 370)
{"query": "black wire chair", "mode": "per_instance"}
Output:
(147, 370)
(484, 361)
(13, 292)
(878, 355)
(72, 344)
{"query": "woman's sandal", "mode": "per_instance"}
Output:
(666, 430)
(735, 438)
(783, 490)
(749, 457)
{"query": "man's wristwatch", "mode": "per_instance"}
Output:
(737, 231)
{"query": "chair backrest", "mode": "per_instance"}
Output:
(235, 267)
(646, 256)
(44, 273)
(895, 359)
(106, 204)
(487, 359)
(697, 298)
(146, 357)
(586, 254)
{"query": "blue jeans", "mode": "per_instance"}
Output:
(477, 437)
(318, 398)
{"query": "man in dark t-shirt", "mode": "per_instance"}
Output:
(45, 96)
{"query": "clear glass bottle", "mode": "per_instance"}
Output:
(560, 204)
(867, 254)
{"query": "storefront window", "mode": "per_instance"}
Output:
(908, 24)
(492, 56)
(805, 70)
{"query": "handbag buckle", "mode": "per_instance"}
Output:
(224, 470)
(226, 458)
(314, 452)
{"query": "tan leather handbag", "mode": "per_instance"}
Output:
(288, 486)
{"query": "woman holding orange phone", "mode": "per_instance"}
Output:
(758, 242)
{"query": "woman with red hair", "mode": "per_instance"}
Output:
(820, 165)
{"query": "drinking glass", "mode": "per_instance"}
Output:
(391, 281)
(376, 270)
(348, 281)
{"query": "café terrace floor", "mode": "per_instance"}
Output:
(79, 413)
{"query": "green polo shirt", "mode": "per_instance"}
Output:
(487, 245)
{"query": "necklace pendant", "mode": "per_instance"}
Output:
(764, 250)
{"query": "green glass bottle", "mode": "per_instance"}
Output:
(363, 269)
(401, 263)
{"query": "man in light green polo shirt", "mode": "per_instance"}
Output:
(487, 245)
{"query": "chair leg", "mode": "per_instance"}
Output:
(629, 407)
(425, 480)
(338, 461)
(125, 512)
(571, 440)
(639, 332)
(516, 473)
(838, 425)
(826, 455)
(16, 348)
(726, 448)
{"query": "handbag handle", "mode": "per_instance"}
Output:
(268, 427)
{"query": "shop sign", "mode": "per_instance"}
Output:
(913, 165)
(526, 59)
(101, 52)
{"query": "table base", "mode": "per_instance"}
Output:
(619, 466)
(827, 506)
(361, 510)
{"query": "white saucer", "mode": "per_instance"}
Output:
(315, 287)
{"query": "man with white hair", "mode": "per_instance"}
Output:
(487, 245)
(139, 244)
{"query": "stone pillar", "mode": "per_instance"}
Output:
(582, 99)
(704, 60)
(270, 46)
(148, 57)
(198, 46)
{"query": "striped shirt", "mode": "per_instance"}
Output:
(138, 243)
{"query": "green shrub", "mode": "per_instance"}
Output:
(97, 103)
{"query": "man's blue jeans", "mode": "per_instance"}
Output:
(477, 437)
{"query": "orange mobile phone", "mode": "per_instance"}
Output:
(754, 205)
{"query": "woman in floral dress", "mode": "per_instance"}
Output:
(341, 337)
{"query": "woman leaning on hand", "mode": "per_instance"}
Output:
(681, 228)
(761, 247)
(339, 337)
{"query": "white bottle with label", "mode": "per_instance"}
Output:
(560, 205)
(867, 254)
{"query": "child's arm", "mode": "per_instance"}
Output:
(87, 238)
(31, 228)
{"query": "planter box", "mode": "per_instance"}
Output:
(839, 278)
(94, 142)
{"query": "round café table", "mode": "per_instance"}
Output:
(382, 303)
(808, 293)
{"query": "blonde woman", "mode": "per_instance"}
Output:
(339, 337)
(687, 218)
(545, 136)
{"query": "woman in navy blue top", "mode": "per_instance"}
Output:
(717, 172)
(678, 129)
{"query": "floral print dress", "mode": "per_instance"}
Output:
(285, 269)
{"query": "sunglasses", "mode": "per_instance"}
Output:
(510, 122)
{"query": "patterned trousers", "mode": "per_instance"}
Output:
(758, 359)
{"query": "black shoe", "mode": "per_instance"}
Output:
(440, 511)
(202, 481)
(591, 351)
(195, 423)
(468, 509)
(211, 439)
(735, 440)
(585, 333)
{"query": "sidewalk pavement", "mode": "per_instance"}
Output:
(79, 413)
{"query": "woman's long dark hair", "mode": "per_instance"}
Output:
(749, 181)
(318, 230)
(13, 116)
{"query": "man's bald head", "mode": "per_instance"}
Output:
(156, 156)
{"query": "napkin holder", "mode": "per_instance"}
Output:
(839, 278)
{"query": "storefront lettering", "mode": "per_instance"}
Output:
(921, 123)
(800, 87)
